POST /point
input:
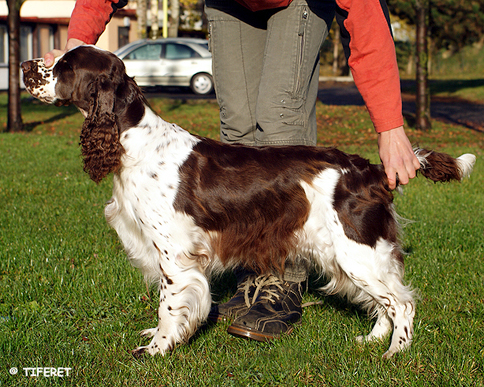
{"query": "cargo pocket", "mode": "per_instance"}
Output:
(302, 31)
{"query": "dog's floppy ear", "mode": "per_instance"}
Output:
(100, 144)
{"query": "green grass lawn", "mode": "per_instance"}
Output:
(69, 298)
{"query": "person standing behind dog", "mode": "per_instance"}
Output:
(266, 72)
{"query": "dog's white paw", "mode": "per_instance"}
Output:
(138, 352)
(151, 349)
(149, 332)
(360, 339)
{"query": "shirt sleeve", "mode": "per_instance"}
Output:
(369, 48)
(89, 18)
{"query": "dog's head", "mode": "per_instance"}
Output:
(95, 81)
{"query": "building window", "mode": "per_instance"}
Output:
(123, 36)
(3, 44)
(25, 43)
(43, 39)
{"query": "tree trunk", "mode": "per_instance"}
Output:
(174, 19)
(336, 43)
(411, 61)
(200, 7)
(423, 92)
(14, 120)
(141, 16)
(155, 29)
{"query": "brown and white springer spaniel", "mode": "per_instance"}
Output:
(186, 206)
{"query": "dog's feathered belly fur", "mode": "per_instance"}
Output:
(186, 206)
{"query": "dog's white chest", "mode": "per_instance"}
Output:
(144, 190)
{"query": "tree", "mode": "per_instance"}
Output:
(155, 6)
(417, 13)
(456, 23)
(336, 49)
(141, 15)
(452, 24)
(423, 92)
(14, 120)
(191, 12)
(174, 19)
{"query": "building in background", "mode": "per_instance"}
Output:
(43, 25)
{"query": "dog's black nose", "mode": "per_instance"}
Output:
(26, 65)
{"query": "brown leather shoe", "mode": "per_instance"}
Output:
(238, 305)
(276, 307)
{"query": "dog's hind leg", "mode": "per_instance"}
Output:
(402, 317)
(382, 327)
(402, 322)
(372, 278)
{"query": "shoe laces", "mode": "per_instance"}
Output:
(267, 285)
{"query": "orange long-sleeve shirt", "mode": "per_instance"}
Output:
(369, 48)
(89, 18)
(366, 37)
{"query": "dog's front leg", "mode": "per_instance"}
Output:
(185, 302)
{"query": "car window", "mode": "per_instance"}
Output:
(147, 52)
(179, 51)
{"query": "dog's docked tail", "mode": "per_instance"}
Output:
(442, 167)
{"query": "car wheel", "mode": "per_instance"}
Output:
(202, 84)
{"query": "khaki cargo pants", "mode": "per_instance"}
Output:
(266, 74)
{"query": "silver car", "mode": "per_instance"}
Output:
(169, 62)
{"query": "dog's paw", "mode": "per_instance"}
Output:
(138, 352)
(368, 339)
(360, 339)
(149, 332)
(388, 354)
(151, 349)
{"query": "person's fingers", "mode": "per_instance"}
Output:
(392, 178)
(416, 163)
(397, 156)
(49, 58)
